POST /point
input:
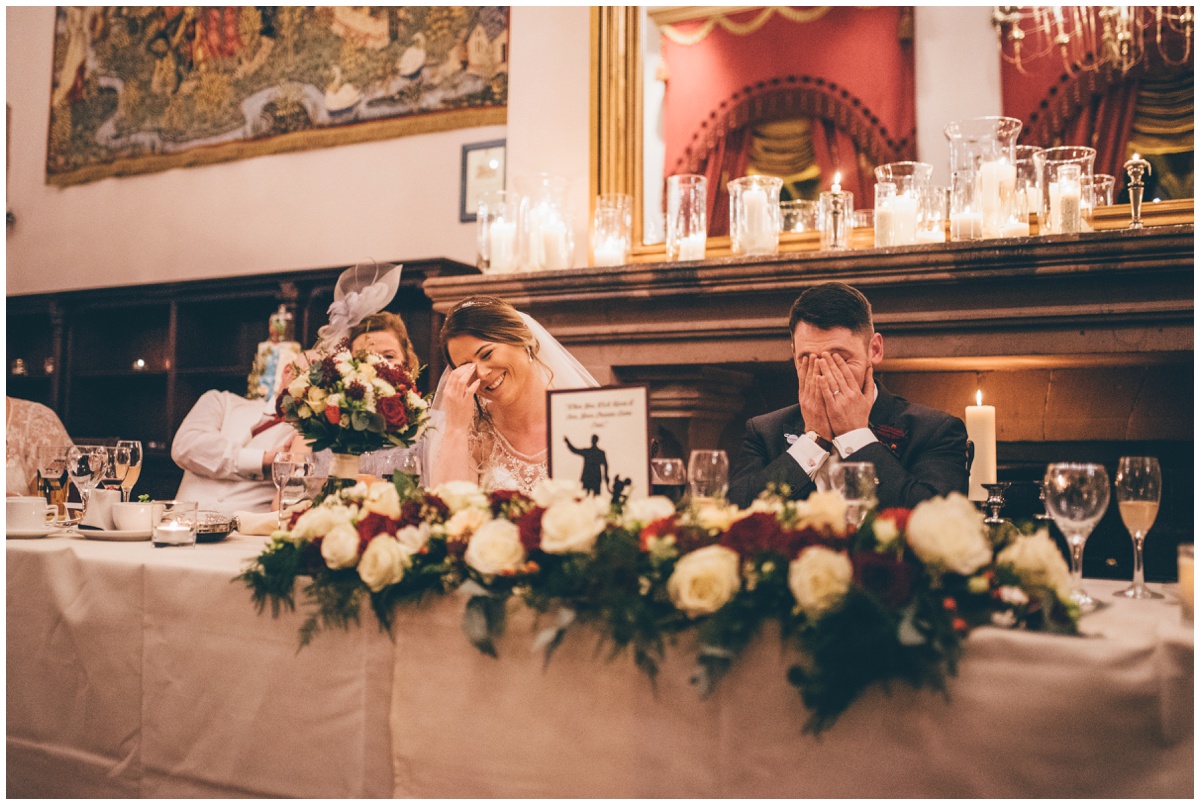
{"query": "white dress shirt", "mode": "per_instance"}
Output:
(222, 461)
(818, 463)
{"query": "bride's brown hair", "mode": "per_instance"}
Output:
(487, 318)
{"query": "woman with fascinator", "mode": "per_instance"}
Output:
(489, 421)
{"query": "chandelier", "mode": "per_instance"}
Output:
(1092, 37)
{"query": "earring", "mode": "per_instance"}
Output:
(530, 351)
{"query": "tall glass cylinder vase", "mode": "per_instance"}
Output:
(754, 214)
(547, 240)
(1027, 200)
(612, 229)
(1053, 160)
(687, 216)
(497, 226)
(982, 175)
(912, 182)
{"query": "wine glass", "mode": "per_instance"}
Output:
(117, 468)
(1139, 487)
(708, 473)
(85, 465)
(288, 471)
(134, 470)
(855, 481)
(668, 476)
(1076, 497)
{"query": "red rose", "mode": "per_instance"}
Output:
(754, 534)
(333, 414)
(885, 576)
(372, 525)
(897, 515)
(656, 529)
(530, 526)
(393, 410)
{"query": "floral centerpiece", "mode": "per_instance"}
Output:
(891, 600)
(353, 403)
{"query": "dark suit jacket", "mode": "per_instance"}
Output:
(928, 460)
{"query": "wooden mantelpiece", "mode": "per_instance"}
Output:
(1105, 298)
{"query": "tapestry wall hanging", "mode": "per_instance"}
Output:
(143, 89)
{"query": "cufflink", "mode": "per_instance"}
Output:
(790, 438)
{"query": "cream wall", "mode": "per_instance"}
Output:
(394, 199)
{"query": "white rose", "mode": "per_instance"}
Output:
(572, 527)
(947, 533)
(383, 563)
(298, 387)
(766, 505)
(716, 517)
(819, 578)
(415, 401)
(495, 548)
(647, 510)
(383, 499)
(886, 532)
(549, 491)
(383, 388)
(460, 495)
(704, 580)
(823, 511)
(1038, 562)
(414, 537)
(344, 367)
(334, 399)
(1013, 595)
(319, 521)
(340, 546)
(316, 398)
(366, 371)
(466, 522)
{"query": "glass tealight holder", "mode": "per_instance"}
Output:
(174, 523)
(612, 229)
(497, 228)
(800, 215)
(885, 232)
(935, 211)
(547, 237)
(837, 218)
(1051, 162)
(1102, 190)
(1028, 198)
(754, 214)
(687, 216)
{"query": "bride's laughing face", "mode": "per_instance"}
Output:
(505, 371)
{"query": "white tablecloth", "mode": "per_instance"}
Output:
(141, 672)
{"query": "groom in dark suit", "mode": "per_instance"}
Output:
(843, 414)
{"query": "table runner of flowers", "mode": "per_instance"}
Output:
(891, 600)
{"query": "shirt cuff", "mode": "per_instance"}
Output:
(249, 463)
(808, 454)
(853, 441)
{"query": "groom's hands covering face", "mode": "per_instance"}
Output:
(811, 398)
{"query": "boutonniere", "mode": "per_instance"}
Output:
(892, 438)
(790, 438)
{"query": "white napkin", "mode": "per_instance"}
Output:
(99, 509)
(260, 524)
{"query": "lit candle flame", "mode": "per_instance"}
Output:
(837, 182)
(978, 397)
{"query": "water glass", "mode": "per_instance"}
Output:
(687, 216)
(612, 229)
(134, 470)
(85, 465)
(174, 523)
(668, 477)
(708, 474)
(754, 214)
(1076, 498)
(856, 482)
(1139, 488)
(288, 471)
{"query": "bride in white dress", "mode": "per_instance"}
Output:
(490, 409)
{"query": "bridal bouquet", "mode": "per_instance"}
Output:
(354, 403)
(890, 600)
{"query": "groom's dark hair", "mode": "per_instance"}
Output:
(834, 304)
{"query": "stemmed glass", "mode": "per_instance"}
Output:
(668, 476)
(855, 481)
(1076, 497)
(117, 468)
(1139, 487)
(85, 465)
(288, 471)
(134, 465)
(708, 473)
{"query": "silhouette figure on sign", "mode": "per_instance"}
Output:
(618, 489)
(595, 465)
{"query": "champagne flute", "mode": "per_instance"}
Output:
(708, 473)
(85, 465)
(134, 470)
(284, 469)
(855, 481)
(1076, 497)
(1139, 487)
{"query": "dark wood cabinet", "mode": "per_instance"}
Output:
(130, 362)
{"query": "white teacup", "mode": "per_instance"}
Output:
(99, 508)
(132, 516)
(29, 514)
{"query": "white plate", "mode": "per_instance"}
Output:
(114, 535)
(30, 533)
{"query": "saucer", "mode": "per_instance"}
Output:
(30, 533)
(113, 535)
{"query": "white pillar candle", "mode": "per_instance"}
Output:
(885, 228)
(1070, 209)
(966, 225)
(1054, 222)
(904, 220)
(691, 247)
(759, 228)
(1015, 229)
(554, 245)
(998, 180)
(611, 252)
(502, 246)
(981, 430)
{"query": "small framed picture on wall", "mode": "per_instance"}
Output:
(601, 438)
(482, 172)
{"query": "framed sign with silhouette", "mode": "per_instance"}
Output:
(482, 172)
(601, 438)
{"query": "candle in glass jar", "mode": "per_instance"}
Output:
(554, 245)
(172, 533)
(609, 253)
(997, 180)
(502, 246)
(981, 430)
(759, 229)
(904, 220)
(691, 247)
(966, 225)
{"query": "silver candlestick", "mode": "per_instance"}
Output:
(1136, 168)
(995, 501)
